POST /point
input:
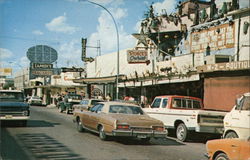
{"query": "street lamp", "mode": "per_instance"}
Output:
(117, 37)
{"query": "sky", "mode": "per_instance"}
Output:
(61, 24)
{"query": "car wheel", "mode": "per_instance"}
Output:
(231, 134)
(79, 125)
(60, 109)
(221, 156)
(181, 132)
(67, 111)
(145, 140)
(102, 134)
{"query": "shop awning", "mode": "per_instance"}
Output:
(99, 80)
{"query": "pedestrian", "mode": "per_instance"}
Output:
(108, 97)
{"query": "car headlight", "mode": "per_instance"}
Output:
(26, 113)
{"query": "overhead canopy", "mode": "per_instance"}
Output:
(99, 80)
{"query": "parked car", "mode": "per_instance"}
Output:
(86, 104)
(228, 149)
(185, 114)
(35, 100)
(68, 101)
(237, 121)
(13, 106)
(119, 119)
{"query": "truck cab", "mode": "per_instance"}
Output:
(185, 114)
(13, 106)
(237, 121)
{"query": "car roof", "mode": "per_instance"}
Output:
(11, 91)
(118, 103)
(177, 96)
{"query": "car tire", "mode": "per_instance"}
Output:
(145, 140)
(181, 132)
(221, 156)
(79, 126)
(67, 111)
(102, 134)
(231, 134)
(60, 109)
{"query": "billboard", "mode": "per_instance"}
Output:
(5, 71)
(137, 56)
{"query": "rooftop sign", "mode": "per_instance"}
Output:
(42, 54)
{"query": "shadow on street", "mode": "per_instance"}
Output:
(30, 123)
(34, 146)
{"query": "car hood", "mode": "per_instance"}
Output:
(136, 120)
(13, 104)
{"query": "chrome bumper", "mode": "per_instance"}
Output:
(139, 134)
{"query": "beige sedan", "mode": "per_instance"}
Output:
(119, 119)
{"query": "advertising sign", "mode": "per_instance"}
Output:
(137, 56)
(42, 72)
(229, 66)
(5, 71)
(72, 70)
(42, 66)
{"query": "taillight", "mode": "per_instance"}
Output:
(158, 128)
(122, 126)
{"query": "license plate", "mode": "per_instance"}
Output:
(141, 136)
(8, 116)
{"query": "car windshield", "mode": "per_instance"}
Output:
(94, 102)
(125, 109)
(77, 97)
(36, 97)
(11, 96)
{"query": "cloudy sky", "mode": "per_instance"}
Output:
(61, 24)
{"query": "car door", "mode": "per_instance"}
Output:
(241, 114)
(94, 116)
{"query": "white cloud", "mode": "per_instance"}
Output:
(5, 53)
(70, 54)
(106, 33)
(167, 5)
(24, 61)
(37, 32)
(59, 24)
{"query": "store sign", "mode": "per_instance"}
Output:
(72, 70)
(230, 66)
(137, 56)
(42, 72)
(42, 66)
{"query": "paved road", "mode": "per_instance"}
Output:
(52, 135)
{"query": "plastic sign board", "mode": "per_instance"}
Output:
(42, 66)
(137, 56)
(72, 70)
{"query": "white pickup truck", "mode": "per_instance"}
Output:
(237, 121)
(186, 115)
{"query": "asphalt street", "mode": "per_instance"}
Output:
(52, 135)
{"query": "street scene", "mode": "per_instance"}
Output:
(125, 80)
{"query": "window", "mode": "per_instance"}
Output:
(156, 103)
(189, 103)
(184, 103)
(246, 103)
(11, 96)
(124, 109)
(164, 103)
(94, 102)
(196, 104)
(176, 103)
